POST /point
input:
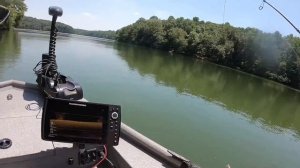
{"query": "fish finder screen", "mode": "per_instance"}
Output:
(72, 126)
(73, 121)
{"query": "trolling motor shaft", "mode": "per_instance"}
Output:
(51, 57)
(54, 84)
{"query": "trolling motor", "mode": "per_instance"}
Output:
(54, 84)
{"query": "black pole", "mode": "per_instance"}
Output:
(282, 16)
(55, 12)
(52, 34)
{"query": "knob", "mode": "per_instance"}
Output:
(114, 115)
(55, 11)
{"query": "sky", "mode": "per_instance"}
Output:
(115, 14)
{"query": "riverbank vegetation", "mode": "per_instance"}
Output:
(17, 9)
(269, 55)
(45, 25)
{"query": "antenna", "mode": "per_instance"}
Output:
(262, 6)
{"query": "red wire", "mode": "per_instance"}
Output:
(104, 157)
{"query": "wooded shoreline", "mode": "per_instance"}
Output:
(268, 55)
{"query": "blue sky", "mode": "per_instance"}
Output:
(114, 14)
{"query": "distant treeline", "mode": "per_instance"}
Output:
(269, 55)
(45, 25)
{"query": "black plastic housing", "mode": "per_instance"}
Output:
(66, 88)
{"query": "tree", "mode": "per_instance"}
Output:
(193, 43)
(177, 39)
(140, 20)
(171, 18)
(17, 9)
(196, 19)
(153, 18)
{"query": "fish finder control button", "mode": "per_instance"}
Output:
(114, 115)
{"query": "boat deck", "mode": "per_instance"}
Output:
(20, 121)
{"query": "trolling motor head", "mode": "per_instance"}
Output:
(55, 11)
(54, 84)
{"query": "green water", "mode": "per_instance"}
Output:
(210, 114)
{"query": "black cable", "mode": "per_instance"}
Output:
(110, 162)
(33, 107)
(52, 56)
(48, 65)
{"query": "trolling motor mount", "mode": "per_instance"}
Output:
(54, 84)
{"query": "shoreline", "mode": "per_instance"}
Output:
(63, 34)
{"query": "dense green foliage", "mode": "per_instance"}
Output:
(45, 25)
(17, 9)
(248, 49)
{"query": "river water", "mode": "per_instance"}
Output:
(209, 114)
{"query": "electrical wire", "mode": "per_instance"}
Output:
(52, 57)
(110, 162)
(44, 70)
(48, 65)
(34, 107)
(104, 157)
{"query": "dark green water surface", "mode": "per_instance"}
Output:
(210, 114)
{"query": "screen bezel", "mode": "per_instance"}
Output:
(54, 105)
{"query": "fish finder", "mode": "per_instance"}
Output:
(82, 122)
